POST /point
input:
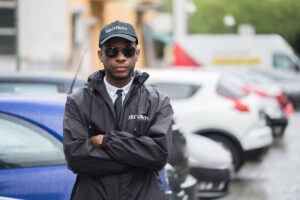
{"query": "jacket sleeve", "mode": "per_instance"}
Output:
(150, 151)
(80, 155)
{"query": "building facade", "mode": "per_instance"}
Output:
(61, 34)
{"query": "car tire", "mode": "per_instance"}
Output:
(278, 131)
(228, 144)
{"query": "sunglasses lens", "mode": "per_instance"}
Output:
(128, 51)
(111, 52)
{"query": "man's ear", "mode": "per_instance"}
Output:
(137, 53)
(100, 55)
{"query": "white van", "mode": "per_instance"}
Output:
(268, 51)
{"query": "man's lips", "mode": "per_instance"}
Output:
(120, 68)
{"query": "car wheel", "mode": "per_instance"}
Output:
(278, 131)
(237, 157)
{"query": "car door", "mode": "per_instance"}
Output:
(32, 164)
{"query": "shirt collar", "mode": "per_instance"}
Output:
(112, 89)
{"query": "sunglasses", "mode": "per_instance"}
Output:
(127, 51)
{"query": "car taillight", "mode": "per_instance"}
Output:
(238, 104)
(289, 109)
(282, 100)
(261, 93)
(257, 91)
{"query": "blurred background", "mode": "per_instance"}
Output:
(230, 67)
(54, 35)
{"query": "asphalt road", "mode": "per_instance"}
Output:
(276, 175)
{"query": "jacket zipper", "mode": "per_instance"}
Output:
(126, 104)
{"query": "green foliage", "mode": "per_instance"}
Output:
(267, 16)
(167, 6)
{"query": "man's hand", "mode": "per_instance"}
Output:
(97, 141)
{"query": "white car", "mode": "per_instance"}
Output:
(209, 162)
(206, 103)
(275, 103)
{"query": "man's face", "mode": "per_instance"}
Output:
(118, 67)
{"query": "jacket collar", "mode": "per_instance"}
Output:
(96, 79)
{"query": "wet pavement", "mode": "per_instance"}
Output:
(276, 175)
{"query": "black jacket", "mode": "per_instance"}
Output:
(127, 165)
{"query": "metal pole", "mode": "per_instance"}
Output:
(179, 18)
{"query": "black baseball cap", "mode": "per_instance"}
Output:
(117, 29)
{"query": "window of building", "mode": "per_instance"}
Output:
(7, 27)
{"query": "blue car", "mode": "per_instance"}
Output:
(32, 162)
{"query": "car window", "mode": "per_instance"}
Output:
(28, 87)
(23, 144)
(282, 61)
(229, 89)
(177, 90)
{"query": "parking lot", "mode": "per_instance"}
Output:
(276, 176)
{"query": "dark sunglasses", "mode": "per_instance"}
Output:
(127, 51)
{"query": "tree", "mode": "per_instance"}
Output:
(267, 16)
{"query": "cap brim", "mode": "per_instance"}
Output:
(127, 37)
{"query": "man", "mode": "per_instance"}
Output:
(117, 131)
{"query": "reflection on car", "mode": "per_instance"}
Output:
(8, 198)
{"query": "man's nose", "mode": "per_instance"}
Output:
(120, 55)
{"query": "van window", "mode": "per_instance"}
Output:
(282, 61)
